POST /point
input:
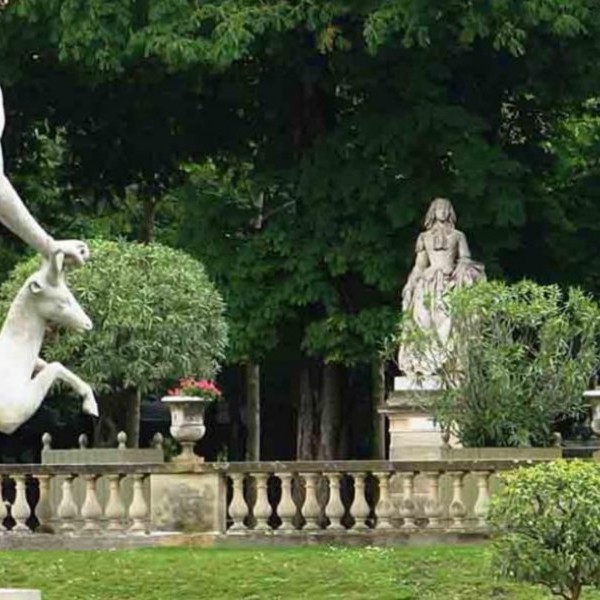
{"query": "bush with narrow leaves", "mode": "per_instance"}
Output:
(520, 357)
(546, 523)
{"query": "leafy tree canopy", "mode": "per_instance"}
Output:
(326, 127)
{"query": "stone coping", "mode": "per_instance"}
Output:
(351, 466)
(77, 469)
(103, 456)
(374, 466)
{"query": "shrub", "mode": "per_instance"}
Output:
(520, 356)
(545, 521)
(156, 315)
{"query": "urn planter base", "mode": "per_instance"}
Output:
(187, 455)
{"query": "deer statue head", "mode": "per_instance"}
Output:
(53, 300)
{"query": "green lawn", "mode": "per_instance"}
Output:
(316, 573)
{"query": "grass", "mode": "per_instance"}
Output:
(316, 573)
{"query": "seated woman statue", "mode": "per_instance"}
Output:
(443, 262)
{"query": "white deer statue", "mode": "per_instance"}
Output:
(24, 377)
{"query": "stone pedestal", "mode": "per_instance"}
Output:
(414, 434)
(188, 501)
(12, 594)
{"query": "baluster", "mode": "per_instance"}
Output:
(20, 509)
(287, 508)
(433, 508)
(359, 509)
(408, 509)
(483, 497)
(91, 511)
(43, 510)
(158, 440)
(262, 508)
(115, 508)
(46, 442)
(384, 509)
(238, 509)
(458, 510)
(67, 509)
(121, 440)
(311, 509)
(138, 509)
(334, 510)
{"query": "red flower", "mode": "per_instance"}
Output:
(200, 388)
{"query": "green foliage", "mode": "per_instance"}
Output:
(109, 34)
(417, 22)
(156, 316)
(546, 519)
(521, 355)
(574, 188)
(41, 172)
(284, 275)
(221, 227)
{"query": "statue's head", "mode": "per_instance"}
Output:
(440, 210)
(52, 299)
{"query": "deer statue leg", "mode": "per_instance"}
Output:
(48, 373)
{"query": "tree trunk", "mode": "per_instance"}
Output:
(119, 411)
(133, 401)
(149, 211)
(377, 400)
(106, 427)
(329, 429)
(253, 411)
(235, 406)
(306, 426)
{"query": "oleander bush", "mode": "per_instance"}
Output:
(520, 358)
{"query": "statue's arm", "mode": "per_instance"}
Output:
(15, 216)
(463, 247)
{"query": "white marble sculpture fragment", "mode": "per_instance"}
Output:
(24, 377)
(442, 263)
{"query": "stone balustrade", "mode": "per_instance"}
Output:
(361, 497)
(28, 506)
(219, 501)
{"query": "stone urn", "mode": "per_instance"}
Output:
(187, 424)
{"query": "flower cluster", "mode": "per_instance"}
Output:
(200, 388)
